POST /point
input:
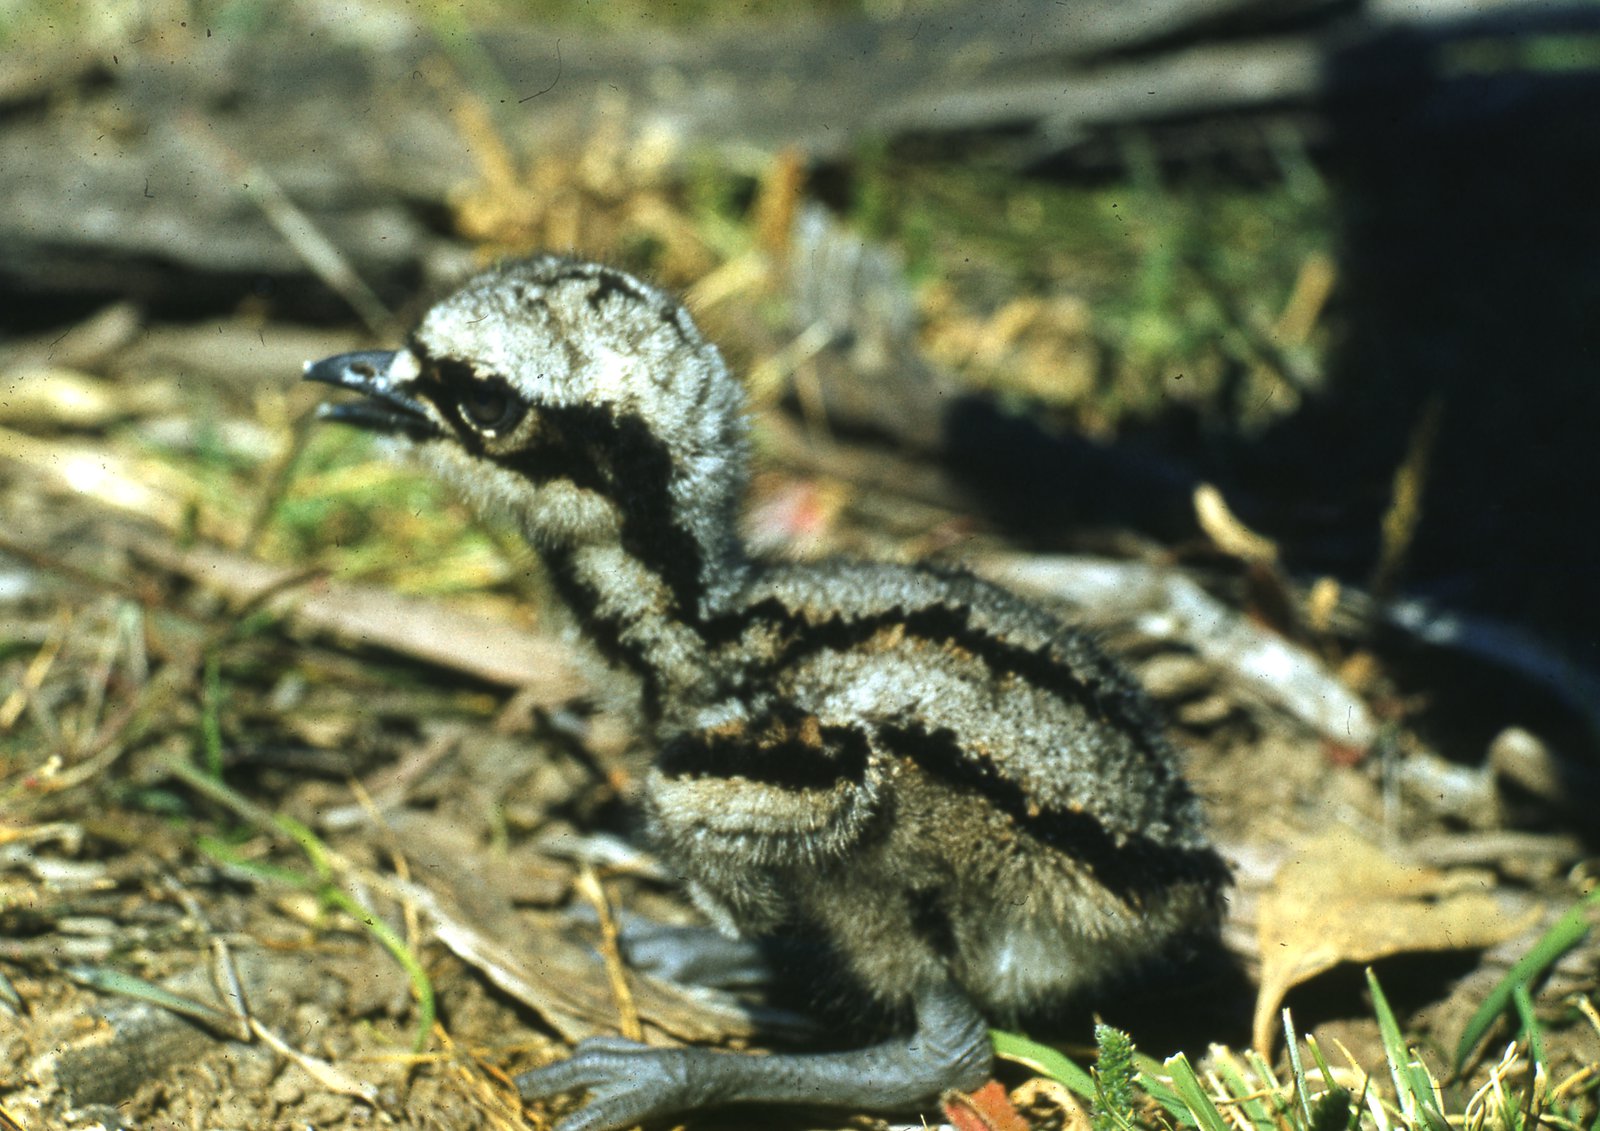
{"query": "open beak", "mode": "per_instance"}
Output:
(378, 376)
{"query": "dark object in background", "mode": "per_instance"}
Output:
(1466, 158)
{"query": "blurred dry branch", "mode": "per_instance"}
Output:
(115, 187)
(485, 647)
(1163, 604)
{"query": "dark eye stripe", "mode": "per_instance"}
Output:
(617, 455)
(613, 454)
(454, 374)
(484, 403)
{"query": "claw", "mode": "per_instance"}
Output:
(627, 1082)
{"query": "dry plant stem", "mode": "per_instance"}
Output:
(1405, 503)
(322, 1071)
(277, 482)
(1586, 1007)
(389, 786)
(588, 884)
(1225, 528)
(261, 817)
(431, 631)
(488, 1088)
(335, 877)
(127, 725)
(99, 679)
(46, 562)
(92, 752)
(229, 987)
(1313, 286)
(132, 1041)
(33, 678)
(408, 907)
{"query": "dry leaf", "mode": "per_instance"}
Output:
(1340, 899)
(987, 1109)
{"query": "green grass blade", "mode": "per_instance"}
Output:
(1250, 1097)
(1200, 1108)
(1522, 1000)
(1394, 1045)
(123, 984)
(1296, 1069)
(1283, 1109)
(1150, 1079)
(390, 940)
(1352, 1104)
(327, 890)
(1412, 1083)
(1566, 933)
(1044, 1060)
(1322, 1061)
(228, 857)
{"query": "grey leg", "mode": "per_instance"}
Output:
(629, 1083)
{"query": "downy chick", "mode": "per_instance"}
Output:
(958, 797)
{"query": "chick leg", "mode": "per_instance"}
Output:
(629, 1083)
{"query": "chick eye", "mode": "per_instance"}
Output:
(492, 408)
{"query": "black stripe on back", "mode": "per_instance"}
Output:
(609, 283)
(1115, 701)
(774, 751)
(1132, 866)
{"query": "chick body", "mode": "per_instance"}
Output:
(957, 796)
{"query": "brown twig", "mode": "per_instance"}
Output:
(588, 884)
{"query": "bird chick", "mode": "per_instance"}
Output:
(953, 794)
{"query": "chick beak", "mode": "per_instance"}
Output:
(383, 378)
